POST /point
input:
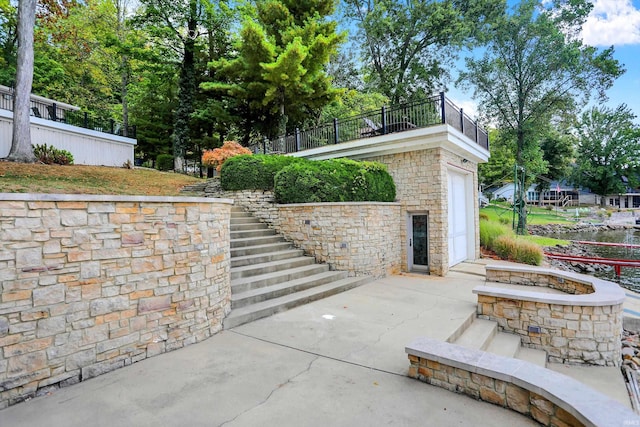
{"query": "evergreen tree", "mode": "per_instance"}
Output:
(278, 77)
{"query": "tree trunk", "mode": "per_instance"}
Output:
(21, 150)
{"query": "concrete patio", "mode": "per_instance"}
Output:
(337, 361)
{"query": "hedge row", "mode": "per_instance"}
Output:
(295, 180)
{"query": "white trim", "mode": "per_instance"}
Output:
(440, 136)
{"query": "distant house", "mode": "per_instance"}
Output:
(560, 193)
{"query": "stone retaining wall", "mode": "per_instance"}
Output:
(488, 389)
(582, 327)
(93, 283)
(362, 238)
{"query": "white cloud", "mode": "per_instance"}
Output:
(612, 22)
(469, 107)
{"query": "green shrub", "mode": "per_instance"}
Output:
(504, 221)
(490, 231)
(506, 247)
(164, 162)
(49, 155)
(339, 180)
(528, 253)
(254, 172)
(484, 217)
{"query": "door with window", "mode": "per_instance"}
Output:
(418, 242)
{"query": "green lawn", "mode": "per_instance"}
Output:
(536, 216)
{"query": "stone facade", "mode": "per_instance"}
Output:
(93, 283)
(568, 330)
(492, 390)
(422, 186)
(361, 238)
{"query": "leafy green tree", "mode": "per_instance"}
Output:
(499, 168)
(535, 68)
(409, 46)
(8, 39)
(278, 76)
(558, 154)
(608, 150)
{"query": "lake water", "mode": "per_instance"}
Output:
(630, 277)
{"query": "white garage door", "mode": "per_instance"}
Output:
(457, 219)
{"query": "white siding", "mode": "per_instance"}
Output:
(88, 147)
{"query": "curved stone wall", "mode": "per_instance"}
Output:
(89, 284)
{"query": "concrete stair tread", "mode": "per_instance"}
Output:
(240, 261)
(270, 266)
(266, 308)
(253, 241)
(279, 276)
(531, 355)
(243, 234)
(504, 344)
(251, 226)
(256, 295)
(259, 249)
(478, 335)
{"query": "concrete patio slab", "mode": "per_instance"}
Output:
(338, 361)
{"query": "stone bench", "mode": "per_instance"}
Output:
(581, 325)
(548, 397)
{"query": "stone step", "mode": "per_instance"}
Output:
(254, 296)
(270, 267)
(478, 335)
(235, 235)
(250, 226)
(267, 308)
(244, 220)
(531, 355)
(240, 214)
(504, 344)
(254, 241)
(253, 282)
(259, 249)
(240, 261)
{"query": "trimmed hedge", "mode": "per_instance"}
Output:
(339, 180)
(296, 180)
(164, 162)
(253, 172)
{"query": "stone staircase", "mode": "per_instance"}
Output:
(481, 334)
(269, 275)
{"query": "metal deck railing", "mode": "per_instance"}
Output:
(68, 114)
(433, 111)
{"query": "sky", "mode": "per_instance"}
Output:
(611, 22)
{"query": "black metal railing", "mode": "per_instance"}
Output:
(55, 112)
(433, 111)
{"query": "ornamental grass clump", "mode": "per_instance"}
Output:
(215, 158)
(490, 231)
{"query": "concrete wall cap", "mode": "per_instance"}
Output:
(37, 197)
(586, 404)
(604, 292)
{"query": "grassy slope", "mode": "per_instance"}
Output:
(76, 179)
(537, 216)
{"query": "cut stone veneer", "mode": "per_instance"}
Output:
(550, 398)
(421, 179)
(93, 283)
(361, 238)
(584, 326)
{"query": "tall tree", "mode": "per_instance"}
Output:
(409, 46)
(535, 68)
(21, 150)
(176, 25)
(279, 75)
(608, 150)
